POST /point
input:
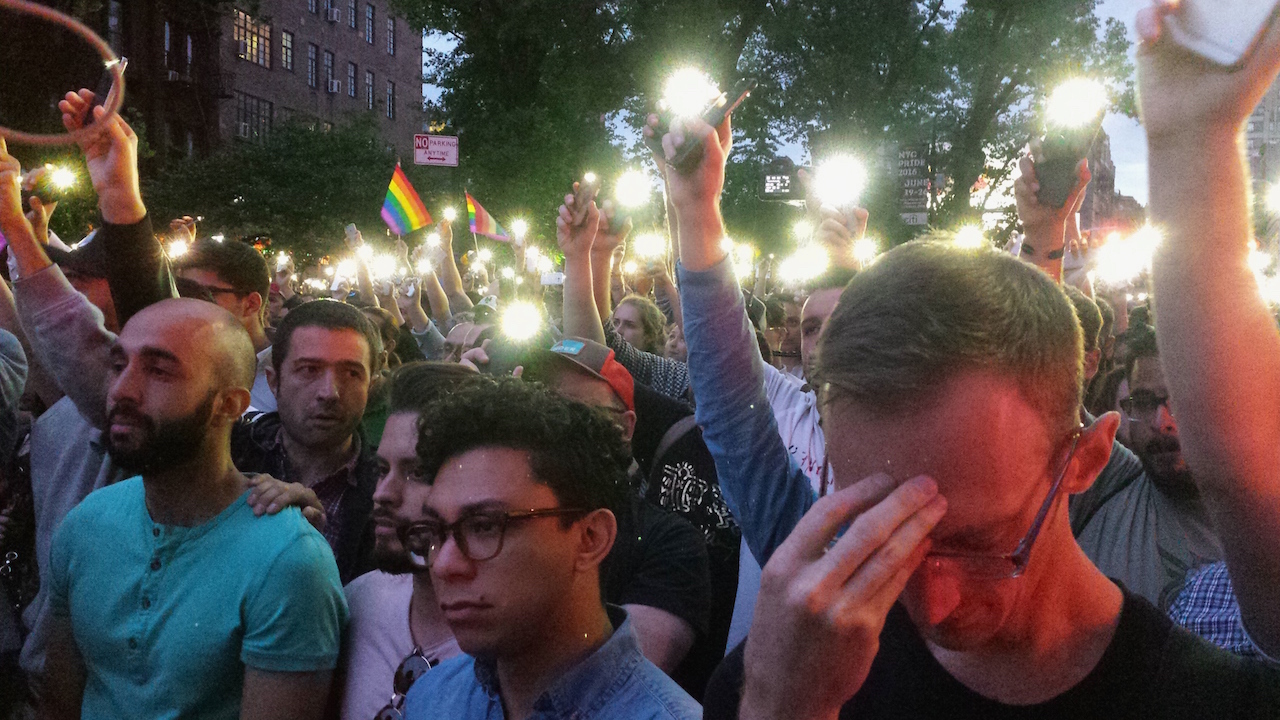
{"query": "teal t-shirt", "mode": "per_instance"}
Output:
(167, 618)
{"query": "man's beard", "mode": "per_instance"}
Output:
(1173, 479)
(171, 443)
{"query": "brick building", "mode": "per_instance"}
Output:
(203, 73)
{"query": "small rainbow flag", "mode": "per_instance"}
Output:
(403, 210)
(482, 223)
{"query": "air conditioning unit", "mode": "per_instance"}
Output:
(174, 76)
(335, 87)
(335, 15)
(243, 130)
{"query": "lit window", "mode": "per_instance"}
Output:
(351, 79)
(286, 50)
(368, 89)
(253, 39)
(368, 24)
(391, 36)
(312, 53)
(391, 100)
(328, 69)
(351, 14)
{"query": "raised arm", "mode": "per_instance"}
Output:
(450, 277)
(581, 316)
(1045, 227)
(1218, 340)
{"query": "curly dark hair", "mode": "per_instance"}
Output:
(574, 450)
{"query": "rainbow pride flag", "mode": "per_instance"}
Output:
(403, 210)
(482, 223)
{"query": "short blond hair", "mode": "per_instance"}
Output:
(927, 310)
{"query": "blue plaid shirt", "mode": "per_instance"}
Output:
(1207, 606)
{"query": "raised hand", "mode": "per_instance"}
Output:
(1045, 227)
(269, 496)
(111, 155)
(13, 223)
(576, 239)
(822, 604)
(606, 241)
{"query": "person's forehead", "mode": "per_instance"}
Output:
(487, 475)
(399, 437)
(1147, 374)
(204, 276)
(331, 344)
(977, 438)
(821, 303)
(626, 311)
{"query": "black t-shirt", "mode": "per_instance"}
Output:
(684, 481)
(1151, 669)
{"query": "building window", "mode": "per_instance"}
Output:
(312, 52)
(391, 100)
(351, 79)
(312, 7)
(368, 89)
(190, 58)
(253, 117)
(368, 24)
(351, 14)
(191, 144)
(168, 45)
(391, 36)
(253, 39)
(286, 50)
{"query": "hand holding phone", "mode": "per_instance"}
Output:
(584, 193)
(689, 154)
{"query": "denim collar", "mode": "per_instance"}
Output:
(588, 686)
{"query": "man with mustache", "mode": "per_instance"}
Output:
(324, 357)
(169, 597)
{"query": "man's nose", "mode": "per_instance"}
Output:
(1165, 421)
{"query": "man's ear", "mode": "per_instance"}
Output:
(232, 404)
(1091, 361)
(1093, 451)
(599, 529)
(628, 424)
(273, 381)
(253, 305)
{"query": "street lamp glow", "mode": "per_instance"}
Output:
(865, 251)
(688, 91)
(508, 273)
(178, 248)
(450, 214)
(633, 189)
(839, 181)
(970, 237)
(521, 321)
(650, 246)
(519, 227)
(1076, 102)
(62, 178)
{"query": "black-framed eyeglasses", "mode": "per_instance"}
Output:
(1010, 565)
(414, 666)
(1144, 405)
(478, 535)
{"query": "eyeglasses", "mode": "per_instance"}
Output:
(1011, 565)
(479, 535)
(214, 290)
(1144, 405)
(411, 668)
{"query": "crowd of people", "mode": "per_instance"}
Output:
(946, 482)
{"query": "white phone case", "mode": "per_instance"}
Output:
(1221, 31)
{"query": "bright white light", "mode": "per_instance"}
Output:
(1122, 260)
(1076, 102)
(590, 178)
(840, 180)
(347, 269)
(219, 237)
(282, 261)
(865, 251)
(519, 281)
(484, 255)
(508, 273)
(633, 189)
(688, 92)
(630, 267)
(521, 321)
(365, 252)
(328, 272)
(316, 284)
(1270, 289)
(178, 248)
(62, 178)
(450, 214)
(424, 267)
(519, 227)
(650, 246)
(545, 265)
(803, 230)
(433, 240)
(383, 267)
(970, 237)
(1142, 297)
(1259, 261)
(744, 258)
(727, 244)
(806, 264)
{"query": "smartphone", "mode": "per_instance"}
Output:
(781, 181)
(1222, 31)
(553, 278)
(505, 355)
(352, 233)
(588, 188)
(1061, 151)
(690, 154)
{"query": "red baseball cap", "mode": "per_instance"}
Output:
(596, 360)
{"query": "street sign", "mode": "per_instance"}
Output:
(435, 150)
